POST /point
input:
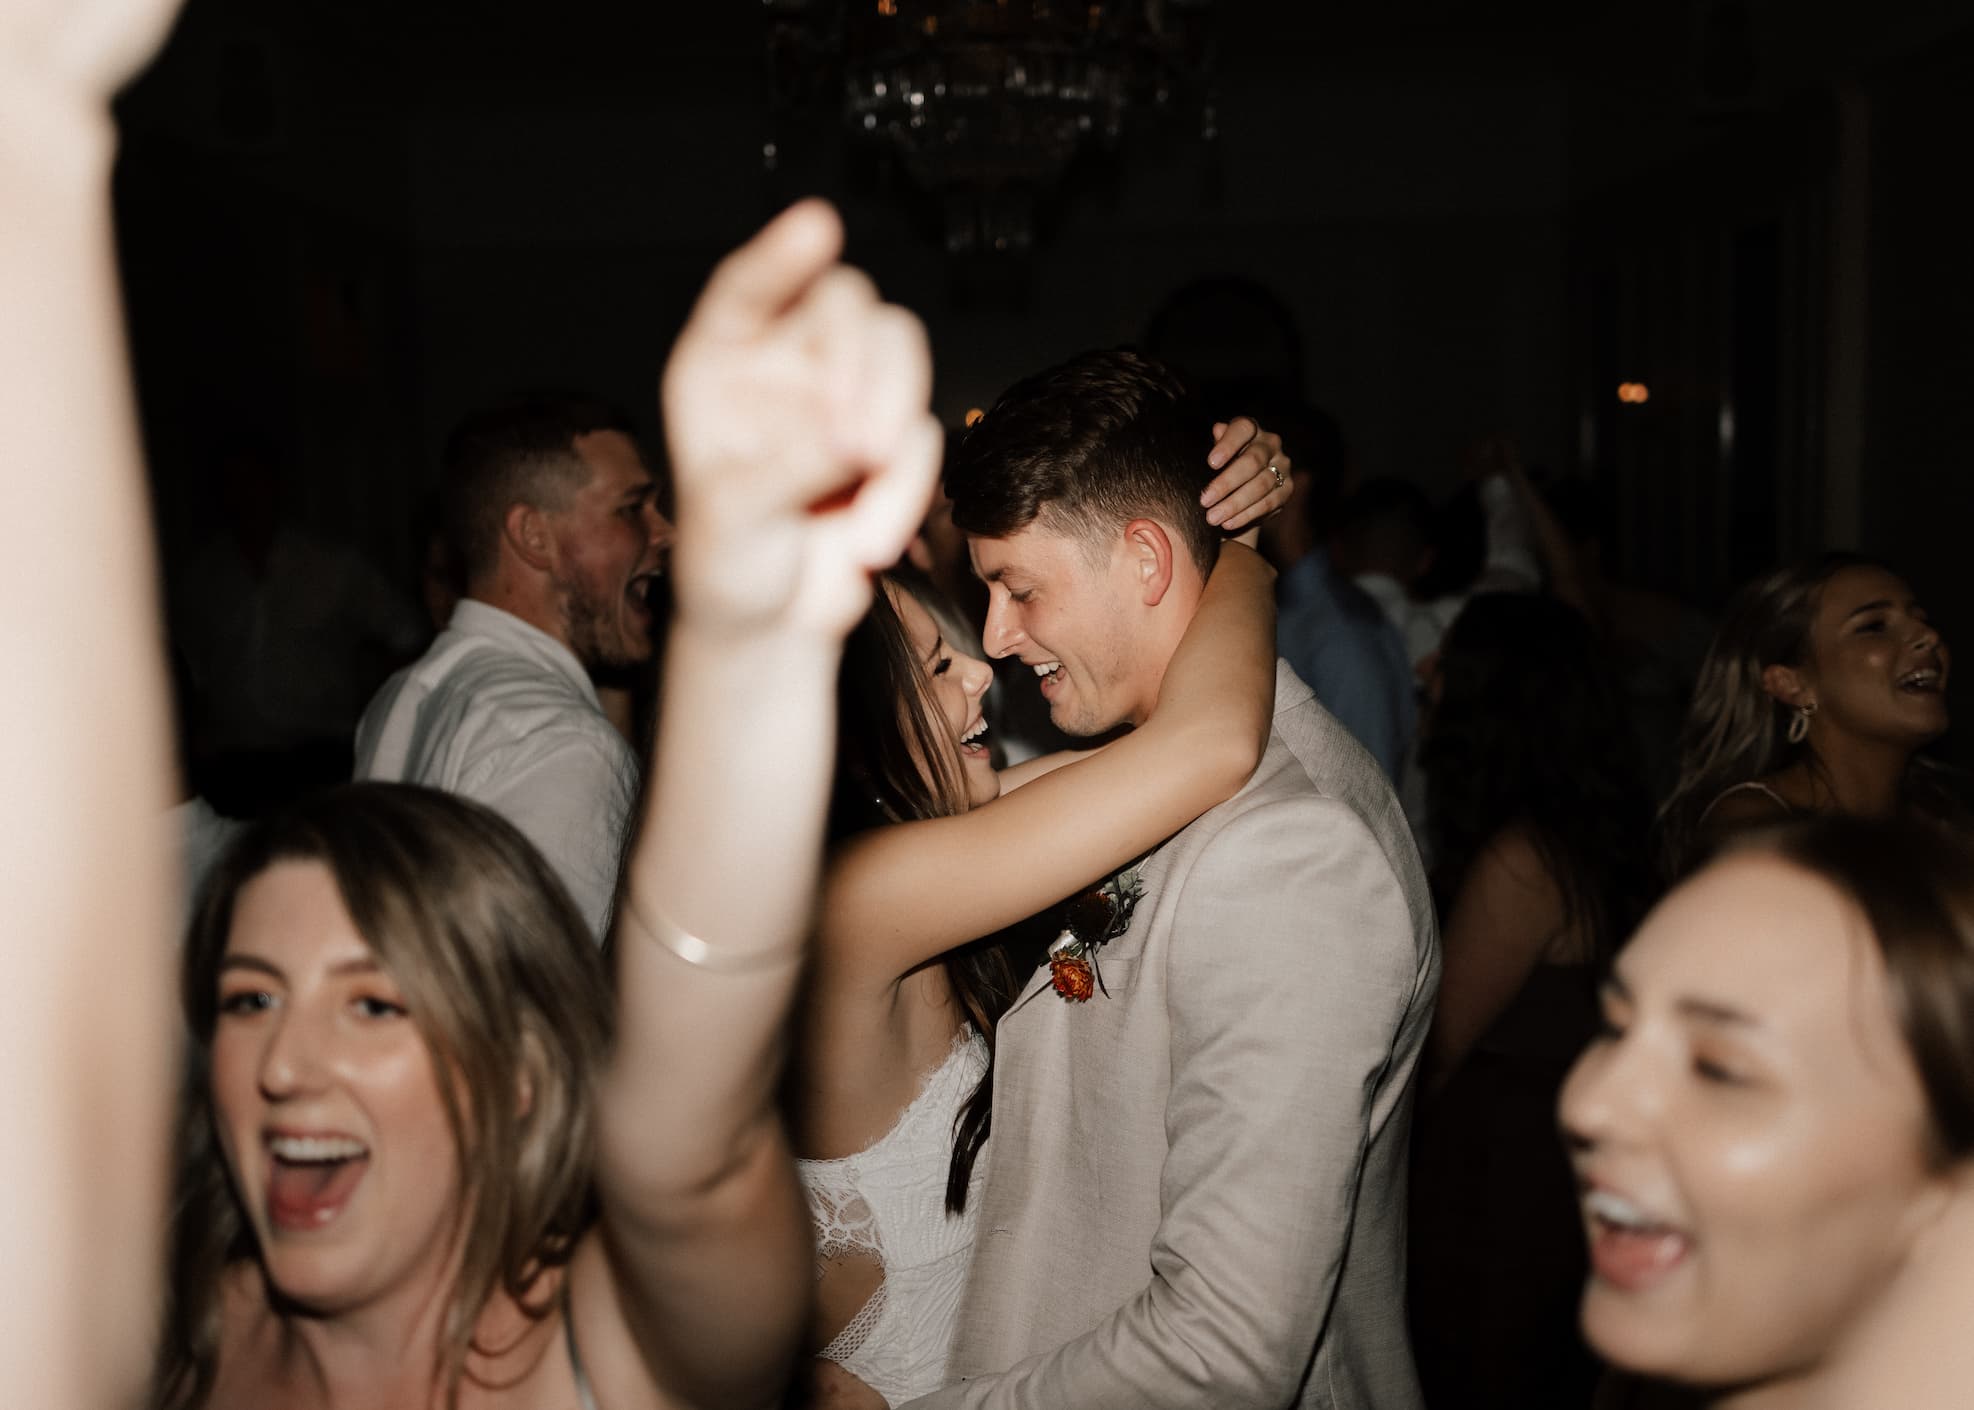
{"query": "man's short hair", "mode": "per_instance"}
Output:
(521, 450)
(1083, 449)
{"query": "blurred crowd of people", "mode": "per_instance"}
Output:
(1112, 909)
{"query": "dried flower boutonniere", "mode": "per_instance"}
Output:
(1089, 922)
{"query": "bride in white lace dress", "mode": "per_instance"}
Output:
(892, 1079)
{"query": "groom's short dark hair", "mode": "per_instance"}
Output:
(1084, 448)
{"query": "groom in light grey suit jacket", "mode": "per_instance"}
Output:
(1196, 1185)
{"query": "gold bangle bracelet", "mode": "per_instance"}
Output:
(700, 955)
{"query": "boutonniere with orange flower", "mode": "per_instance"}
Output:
(1090, 921)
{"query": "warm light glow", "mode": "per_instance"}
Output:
(974, 415)
(1634, 393)
(887, 7)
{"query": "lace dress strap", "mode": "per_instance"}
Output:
(886, 1206)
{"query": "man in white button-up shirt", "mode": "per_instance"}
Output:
(550, 511)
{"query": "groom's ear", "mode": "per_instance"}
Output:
(1148, 554)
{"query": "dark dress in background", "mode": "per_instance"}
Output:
(1496, 1248)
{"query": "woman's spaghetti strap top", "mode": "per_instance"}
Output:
(1753, 785)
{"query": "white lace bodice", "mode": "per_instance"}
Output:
(888, 1202)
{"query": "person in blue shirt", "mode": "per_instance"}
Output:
(1333, 635)
(1330, 631)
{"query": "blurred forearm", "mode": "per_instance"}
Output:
(84, 867)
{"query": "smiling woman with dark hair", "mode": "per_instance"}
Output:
(934, 856)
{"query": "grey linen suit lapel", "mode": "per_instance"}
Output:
(1041, 980)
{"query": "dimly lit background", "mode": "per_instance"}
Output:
(342, 224)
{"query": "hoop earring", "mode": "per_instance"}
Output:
(1799, 723)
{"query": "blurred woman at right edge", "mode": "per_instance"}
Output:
(1774, 1133)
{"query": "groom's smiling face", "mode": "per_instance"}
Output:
(1061, 606)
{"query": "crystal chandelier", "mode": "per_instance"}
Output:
(984, 104)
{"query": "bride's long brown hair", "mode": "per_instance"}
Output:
(895, 763)
(508, 991)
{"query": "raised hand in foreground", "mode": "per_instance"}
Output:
(804, 456)
(86, 882)
(796, 410)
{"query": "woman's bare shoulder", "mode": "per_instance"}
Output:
(1513, 867)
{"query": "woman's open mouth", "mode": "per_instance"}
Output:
(1630, 1248)
(311, 1178)
(973, 743)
